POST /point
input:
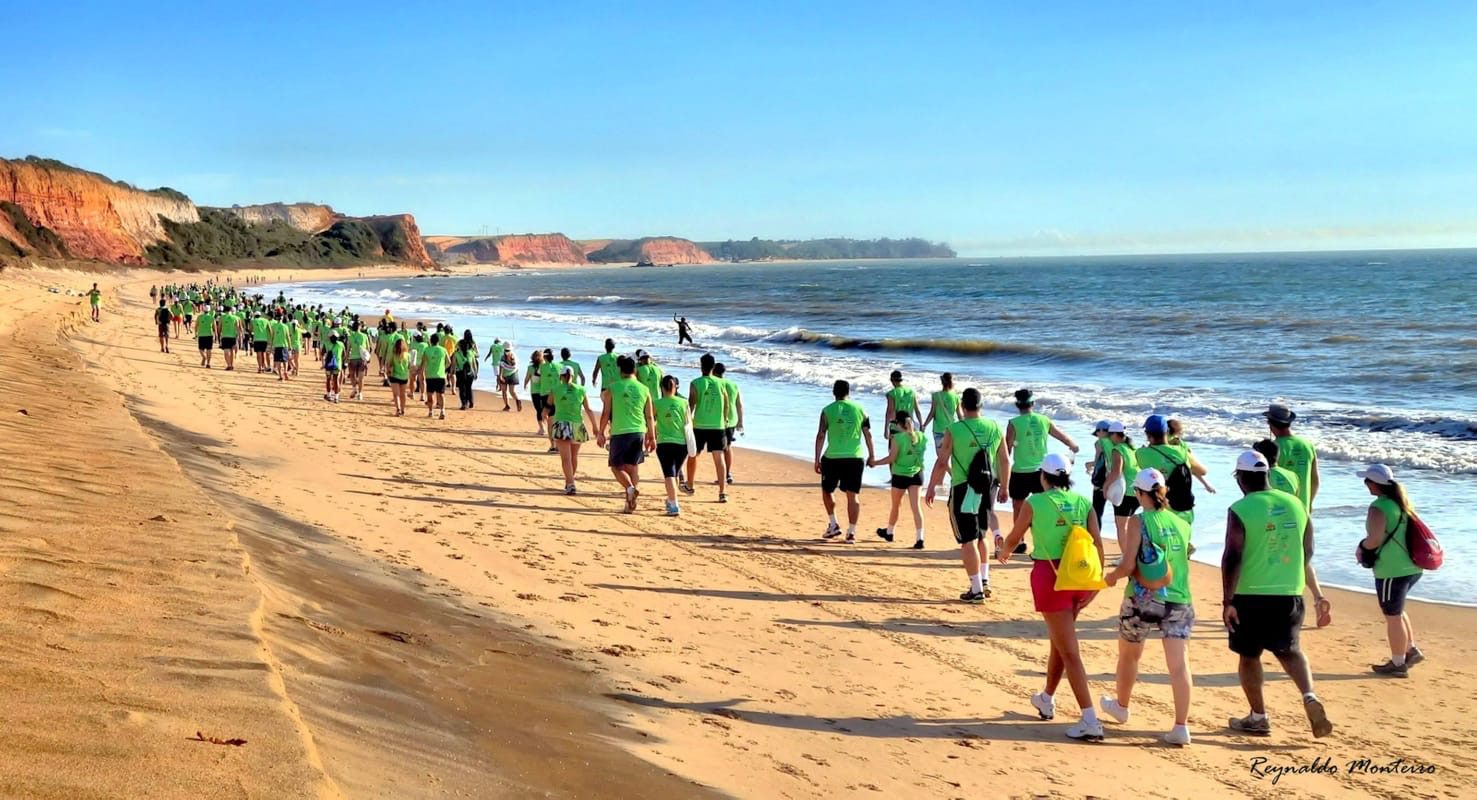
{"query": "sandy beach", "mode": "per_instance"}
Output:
(396, 607)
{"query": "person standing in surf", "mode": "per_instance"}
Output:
(684, 331)
(839, 438)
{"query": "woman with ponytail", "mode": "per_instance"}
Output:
(1169, 609)
(1394, 572)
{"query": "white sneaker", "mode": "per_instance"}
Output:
(1086, 732)
(1045, 705)
(1110, 707)
(1179, 736)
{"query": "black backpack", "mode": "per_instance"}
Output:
(979, 474)
(1178, 483)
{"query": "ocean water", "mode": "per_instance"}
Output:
(1377, 352)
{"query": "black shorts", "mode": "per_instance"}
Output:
(1129, 505)
(279, 355)
(627, 449)
(1391, 593)
(228, 343)
(259, 347)
(1266, 622)
(207, 342)
(711, 439)
(189, 318)
(164, 329)
(672, 456)
(842, 473)
(968, 527)
(538, 406)
(907, 481)
(394, 381)
(1025, 484)
(729, 434)
(434, 385)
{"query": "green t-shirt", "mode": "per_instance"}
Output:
(462, 360)
(945, 410)
(569, 402)
(177, 308)
(969, 436)
(1394, 559)
(1272, 560)
(628, 400)
(1298, 455)
(548, 377)
(910, 450)
(230, 325)
(95, 297)
(205, 326)
(903, 399)
(1030, 441)
(707, 413)
(261, 329)
(579, 372)
(1171, 534)
(845, 420)
(609, 371)
(496, 354)
(650, 376)
(295, 336)
(400, 366)
(359, 345)
(434, 359)
(279, 334)
(731, 394)
(1053, 513)
(1130, 463)
(1163, 457)
(671, 420)
(336, 352)
(1283, 480)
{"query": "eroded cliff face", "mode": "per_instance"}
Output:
(528, 248)
(96, 218)
(671, 250)
(306, 217)
(400, 238)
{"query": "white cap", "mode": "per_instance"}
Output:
(1147, 479)
(1379, 473)
(1251, 461)
(566, 371)
(1056, 464)
(1116, 427)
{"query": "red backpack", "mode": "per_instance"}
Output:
(1423, 546)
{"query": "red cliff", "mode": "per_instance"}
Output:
(95, 217)
(671, 250)
(400, 238)
(527, 248)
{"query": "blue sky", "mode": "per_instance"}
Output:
(1000, 128)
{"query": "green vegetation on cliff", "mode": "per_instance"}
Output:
(62, 166)
(757, 249)
(39, 241)
(223, 238)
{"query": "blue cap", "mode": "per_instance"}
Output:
(1156, 424)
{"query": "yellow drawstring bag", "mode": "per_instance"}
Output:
(1080, 569)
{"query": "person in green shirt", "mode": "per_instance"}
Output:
(359, 349)
(534, 384)
(571, 410)
(648, 373)
(434, 366)
(1279, 477)
(230, 327)
(943, 409)
(1050, 516)
(399, 373)
(1170, 610)
(1294, 452)
(671, 414)
(1025, 440)
(733, 417)
(548, 378)
(333, 361)
(417, 347)
(607, 372)
(495, 356)
(839, 438)
(261, 337)
(1122, 465)
(901, 399)
(294, 345)
(1264, 570)
(95, 299)
(278, 338)
(708, 404)
(1395, 574)
(205, 333)
(905, 458)
(1159, 454)
(628, 418)
(566, 360)
(177, 312)
(967, 436)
